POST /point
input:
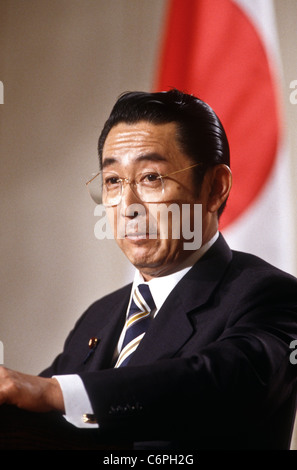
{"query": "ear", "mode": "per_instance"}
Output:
(220, 182)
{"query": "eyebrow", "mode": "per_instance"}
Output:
(149, 157)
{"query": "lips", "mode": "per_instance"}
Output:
(140, 235)
(136, 235)
(137, 230)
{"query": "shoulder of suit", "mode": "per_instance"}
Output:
(255, 265)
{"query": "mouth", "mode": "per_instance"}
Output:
(139, 236)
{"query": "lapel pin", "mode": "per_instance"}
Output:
(93, 343)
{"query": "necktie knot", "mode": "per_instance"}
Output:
(142, 300)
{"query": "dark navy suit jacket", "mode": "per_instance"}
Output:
(212, 372)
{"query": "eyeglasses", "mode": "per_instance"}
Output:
(148, 186)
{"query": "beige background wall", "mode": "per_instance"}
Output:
(63, 63)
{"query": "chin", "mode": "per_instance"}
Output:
(139, 250)
(143, 263)
(144, 260)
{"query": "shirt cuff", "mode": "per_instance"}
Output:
(76, 400)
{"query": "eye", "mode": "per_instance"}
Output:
(111, 181)
(150, 178)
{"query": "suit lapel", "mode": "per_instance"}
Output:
(172, 327)
(108, 336)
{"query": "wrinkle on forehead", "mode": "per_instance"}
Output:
(133, 136)
(126, 141)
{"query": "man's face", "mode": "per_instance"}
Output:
(133, 149)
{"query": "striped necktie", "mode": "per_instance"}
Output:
(137, 322)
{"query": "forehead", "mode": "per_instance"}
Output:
(126, 142)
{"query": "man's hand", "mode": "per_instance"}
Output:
(30, 392)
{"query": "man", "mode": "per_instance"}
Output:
(211, 368)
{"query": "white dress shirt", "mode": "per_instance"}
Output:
(76, 399)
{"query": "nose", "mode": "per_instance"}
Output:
(128, 200)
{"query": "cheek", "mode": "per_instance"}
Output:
(165, 221)
(115, 222)
(111, 215)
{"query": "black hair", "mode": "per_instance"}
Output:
(201, 134)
